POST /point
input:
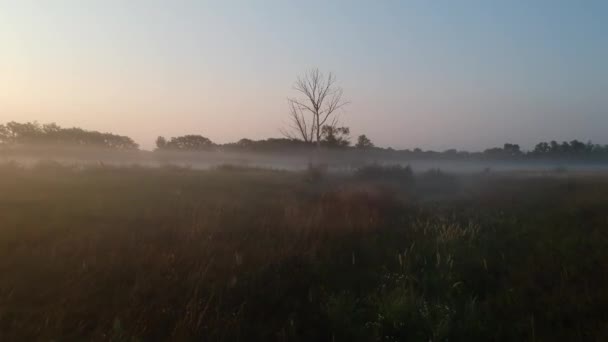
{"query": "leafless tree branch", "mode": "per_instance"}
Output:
(320, 100)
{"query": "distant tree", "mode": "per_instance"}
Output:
(573, 149)
(4, 135)
(119, 142)
(451, 153)
(34, 133)
(335, 136)
(161, 143)
(245, 143)
(320, 99)
(24, 133)
(554, 147)
(577, 147)
(52, 130)
(590, 147)
(542, 148)
(363, 142)
(494, 152)
(268, 145)
(189, 142)
(512, 150)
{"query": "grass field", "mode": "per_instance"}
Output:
(138, 254)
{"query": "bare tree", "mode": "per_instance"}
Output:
(320, 99)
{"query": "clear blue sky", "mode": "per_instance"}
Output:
(430, 74)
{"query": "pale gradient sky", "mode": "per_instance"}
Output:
(430, 74)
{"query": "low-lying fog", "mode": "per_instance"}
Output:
(335, 161)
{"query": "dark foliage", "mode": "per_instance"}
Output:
(268, 145)
(189, 142)
(339, 138)
(32, 133)
(14, 134)
(363, 142)
(333, 137)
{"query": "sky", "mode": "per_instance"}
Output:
(430, 74)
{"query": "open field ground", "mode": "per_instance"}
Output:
(234, 254)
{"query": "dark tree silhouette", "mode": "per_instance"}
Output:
(32, 133)
(335, 136)
(4, 135)
(512, 150)
(245, 143)
(363, 142)
(161, 143)
(318, 105)
(542, 148)
(189, 142)
(267, 145)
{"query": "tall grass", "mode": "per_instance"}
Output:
(135, 254)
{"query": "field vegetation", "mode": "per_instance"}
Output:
(243, 254)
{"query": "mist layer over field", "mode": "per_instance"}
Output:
(336, 161)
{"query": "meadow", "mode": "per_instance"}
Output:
(243, 254)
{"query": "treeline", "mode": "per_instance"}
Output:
(333, 138)
(33, 133)
(337, 138)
